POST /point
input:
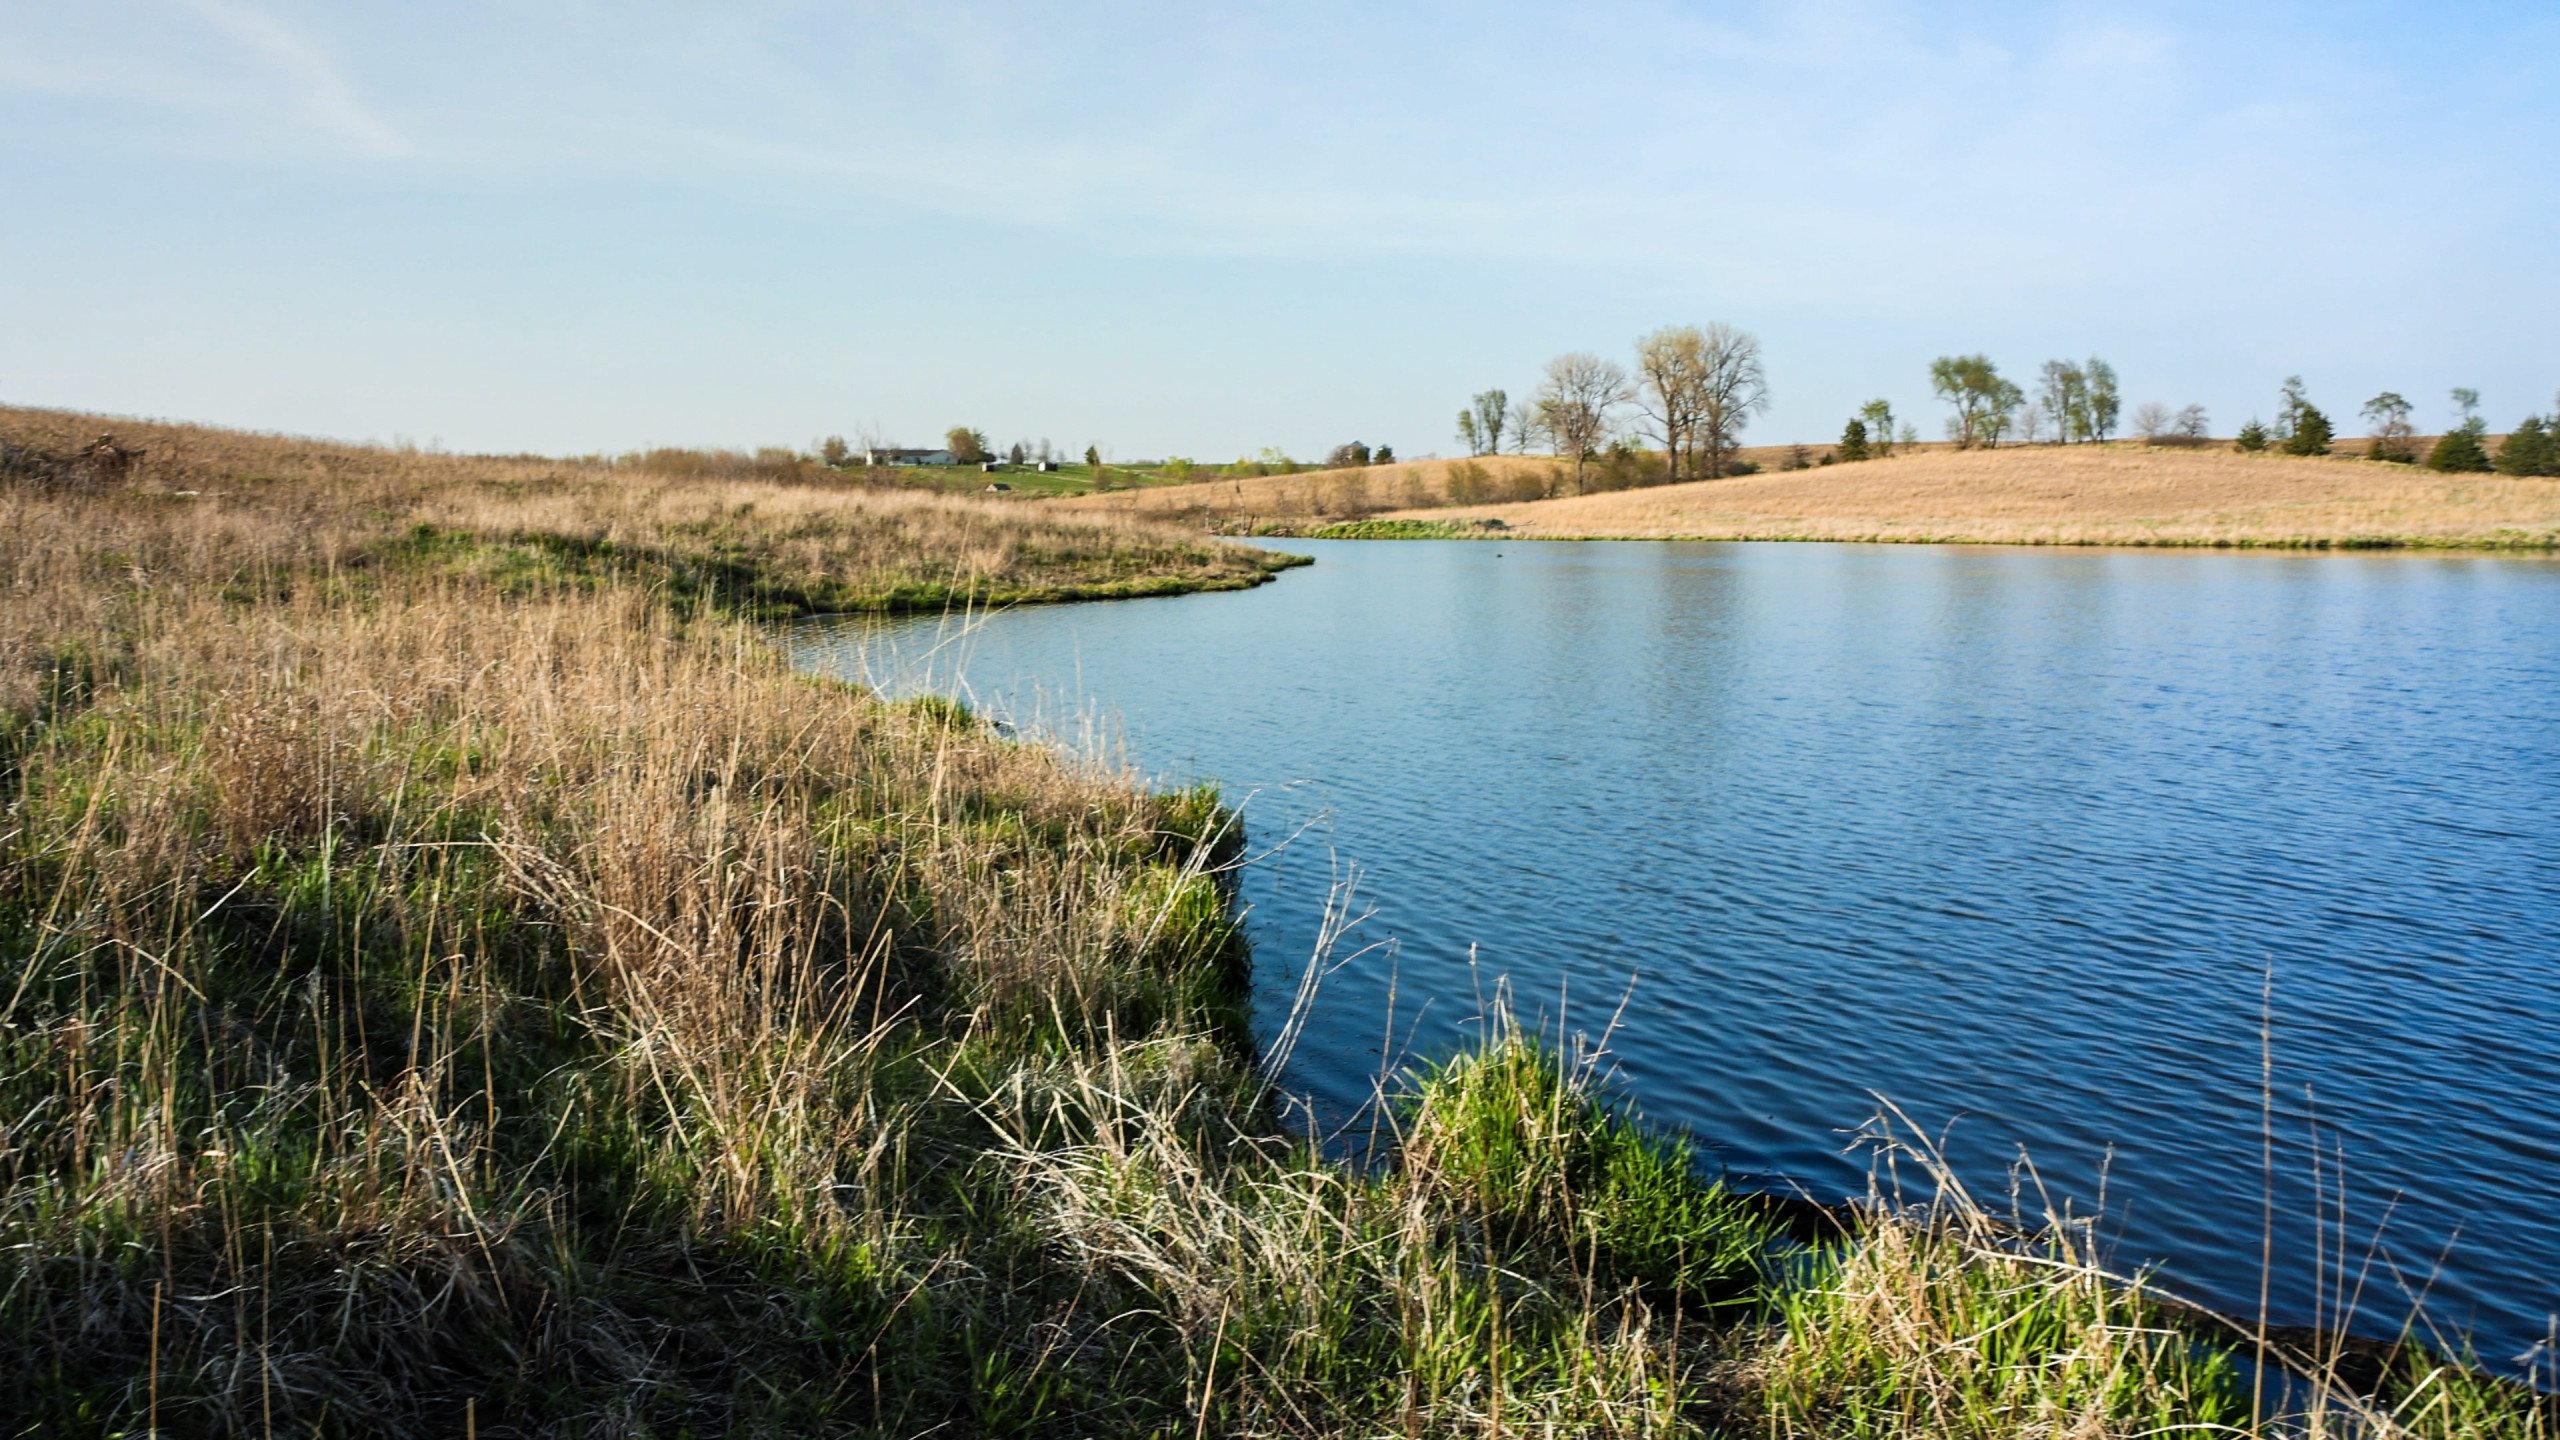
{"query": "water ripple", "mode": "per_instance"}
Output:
(2012, 838)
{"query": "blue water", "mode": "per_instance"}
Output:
(2014, 839)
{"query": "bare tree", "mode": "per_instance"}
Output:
(1576, 403)
(1734, 389)
(2031, 422)
(2151, 420)
(2063, 387)
(1525, 429)
(1671, 368)
(2388, 415)
(2191, 425)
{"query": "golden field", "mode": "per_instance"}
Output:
(2023, 495)
(2082, 495)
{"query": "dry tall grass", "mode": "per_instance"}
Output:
(444, 994)
(203, 498)
(2079, 495)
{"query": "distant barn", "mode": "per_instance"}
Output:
(890, 455)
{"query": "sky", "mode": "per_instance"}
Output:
(1207, 229)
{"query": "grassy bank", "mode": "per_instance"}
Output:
(454, 982)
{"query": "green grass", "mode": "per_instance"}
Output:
(1406, 530)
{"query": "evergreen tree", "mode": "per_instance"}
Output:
(2311, 433)
(1853, 441)
(2460, 451)
(1386, 455)
(2531, 449)
(2253, 437)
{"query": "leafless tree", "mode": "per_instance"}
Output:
(1671, 380)
(1525, 430)
(1576, 403)
(1733, 388)
(2151, 420)
(2031, 422)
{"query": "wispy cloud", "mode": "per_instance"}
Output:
(307, 84)
(258, 78)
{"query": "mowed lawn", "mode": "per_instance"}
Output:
(2080, 495)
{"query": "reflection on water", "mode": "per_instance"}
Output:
(2014, 838)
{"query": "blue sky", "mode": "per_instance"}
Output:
(1204, 229)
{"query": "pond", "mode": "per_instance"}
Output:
(2117, 860)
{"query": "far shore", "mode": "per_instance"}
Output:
(2114, 495)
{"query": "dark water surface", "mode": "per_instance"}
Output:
(2010, 837)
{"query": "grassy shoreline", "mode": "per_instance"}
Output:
(461, 979)
(1400, 529)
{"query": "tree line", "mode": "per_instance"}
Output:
(1692, 390)
(2302, 428)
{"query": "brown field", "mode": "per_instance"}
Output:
(202, 498)
(2113, 495)
(2120, 494)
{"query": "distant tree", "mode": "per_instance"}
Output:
(2311, 433)
(2387, 418)
(1878, 416)
(1525, 429)
(1046, 452)
(1577, 403)
(1671, 390)
(1470, 434)
(834, 451)
(1853, 440)
(1019, 453)
(1345, 456)
(1385, 455)
(2031, 422)
(2289, 412)
(2064, 388)
(1493, 416)
(2462, 449)
(967, 446)
(2190, 426)
(2253, 437)
(1733, 387)
(2104, 400)
(2151, 421)
(2532, 448)
(1983, 401)
(1093, 456)
(1908, 436)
